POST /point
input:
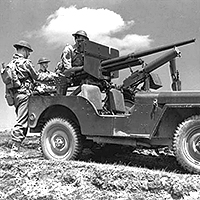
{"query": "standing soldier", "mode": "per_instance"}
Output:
(71, 57)
(26, 75)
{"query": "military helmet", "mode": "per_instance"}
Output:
(82, 33)
(43, 60)
(23, 43)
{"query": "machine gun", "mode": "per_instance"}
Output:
(102, 64)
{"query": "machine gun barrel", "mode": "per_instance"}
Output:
(144, 53)
(139, 75)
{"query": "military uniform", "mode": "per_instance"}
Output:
(27, 76)
(43, 76)
(46, 84)
(70, 57)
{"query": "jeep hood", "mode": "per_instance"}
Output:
(172, 97)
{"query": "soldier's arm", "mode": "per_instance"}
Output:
(35, 75)
(66, 57)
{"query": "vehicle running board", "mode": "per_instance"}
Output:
(121, 141)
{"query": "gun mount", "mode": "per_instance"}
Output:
(102, 64)
(101, 61)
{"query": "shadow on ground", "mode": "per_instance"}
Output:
(109, 154)
(143, 158)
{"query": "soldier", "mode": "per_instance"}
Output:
(71, 57)
(45, 85)
(44, 64)
(26, 74)
(43, 70)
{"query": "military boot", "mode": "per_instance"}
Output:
(15, 150)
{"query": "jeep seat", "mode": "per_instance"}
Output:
(93, 94)
(116, 101)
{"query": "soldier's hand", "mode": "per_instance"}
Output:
(55, 75)
(60, 74)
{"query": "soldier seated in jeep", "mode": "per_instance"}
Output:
(71, 57)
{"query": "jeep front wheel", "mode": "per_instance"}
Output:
(186, 144)
(60, 140)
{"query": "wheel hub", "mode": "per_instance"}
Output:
(197, 144)
(59, 142)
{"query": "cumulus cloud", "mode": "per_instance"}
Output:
(101, 25)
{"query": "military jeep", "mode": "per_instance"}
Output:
(134, 114)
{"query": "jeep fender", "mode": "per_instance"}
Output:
(76, 108)
(171, 116)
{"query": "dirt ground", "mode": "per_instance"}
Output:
(106, 154)
(108, 173)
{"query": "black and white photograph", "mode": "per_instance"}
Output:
(100, 100)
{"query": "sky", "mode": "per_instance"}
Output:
(127, 25)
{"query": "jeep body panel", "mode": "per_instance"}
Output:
(170, 109)
(88, 118)
(150, 117)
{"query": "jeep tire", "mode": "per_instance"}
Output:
(60, 139)
(186, 144)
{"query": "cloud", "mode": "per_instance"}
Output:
(101, 25)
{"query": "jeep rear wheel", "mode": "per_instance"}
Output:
(60, 140)
(186, 144)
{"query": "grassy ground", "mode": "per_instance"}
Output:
(122, 175)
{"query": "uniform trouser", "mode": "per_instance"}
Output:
(21, 127)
